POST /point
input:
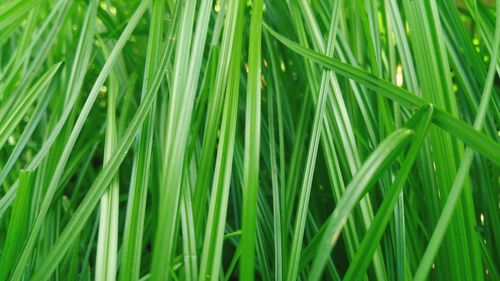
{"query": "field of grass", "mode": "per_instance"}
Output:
(249, 139)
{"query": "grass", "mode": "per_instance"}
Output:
(258, 140)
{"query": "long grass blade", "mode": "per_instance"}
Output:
(252, 144)
(477, 140)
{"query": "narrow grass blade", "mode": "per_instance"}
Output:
(107, 240)
(136, 209)
(463, 170)
(420, 124)
(379, 160)
(188, 232)
(38, 113)
(16, 114)
(19, 224)
(30, 244)
(214, 114)
(14, 10)
(478, 141)
(99, 186)
(75, 82)
(252, 144)
(305, 192)
(177, 128)
(214, 233)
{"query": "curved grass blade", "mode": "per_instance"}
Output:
(339, 123)
(424, 23)
(463, 170)
(379, 160)
(475, 139)
(358, 266)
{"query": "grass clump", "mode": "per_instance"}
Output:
(258, 140)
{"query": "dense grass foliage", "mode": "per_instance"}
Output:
(251, 140)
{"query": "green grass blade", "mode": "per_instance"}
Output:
(217, 211)
(103, 180)
(188, 232)
(252, 143)
(30, 244)
(378, 161)
(136, 209)
(107, 240)
(296, 247)
(420, 124)
(75, 82)
(463, 170)
(19, 224)
(477, 140)
(352, 140)
(38, 113)
(178, 122)
(14, 10)
(16, 114)
(213, 116)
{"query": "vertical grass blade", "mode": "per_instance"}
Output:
(214, 232)
(136, 209)
(30, 244)
(177, 129)
(252, 144)
(465, 164)
(19, 224)
(102, 181)
(107, 240)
